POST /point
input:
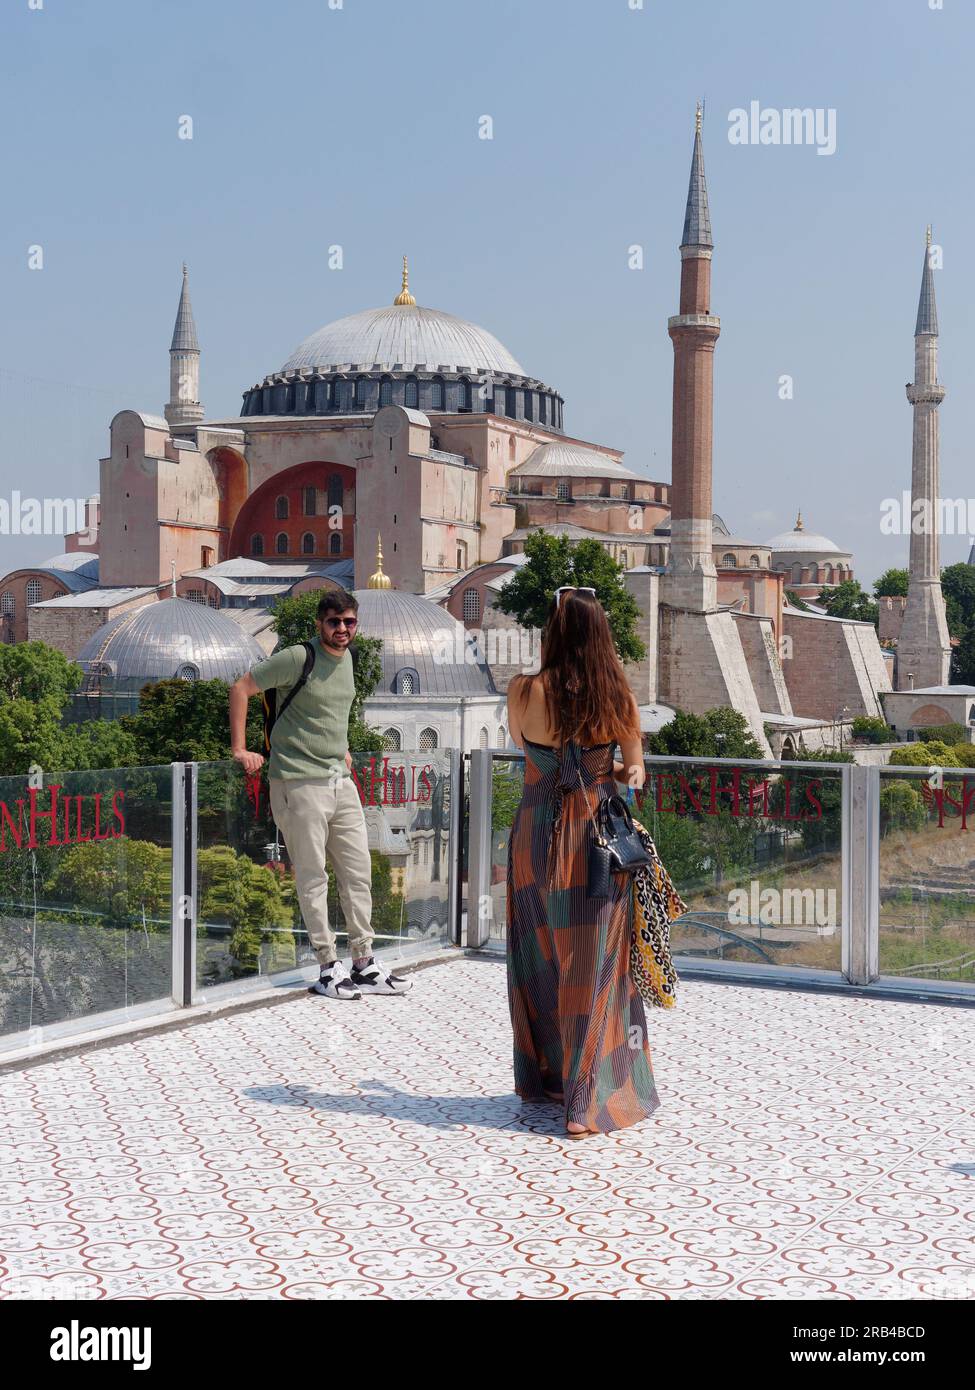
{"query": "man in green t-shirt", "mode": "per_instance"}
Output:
(314, 800)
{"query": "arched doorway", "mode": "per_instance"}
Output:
(230, 475)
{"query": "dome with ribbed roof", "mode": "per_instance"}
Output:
(423, 646)
(404, 336)
(171, 639)
(407, 355)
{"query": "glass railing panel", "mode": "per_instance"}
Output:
(85, 895)
(927, 873)
(755, 850)
(248, 918)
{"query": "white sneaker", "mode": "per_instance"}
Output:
(373, 978)
(335, 983)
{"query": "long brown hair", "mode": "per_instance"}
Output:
(587, 697)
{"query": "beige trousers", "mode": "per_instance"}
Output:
(318, 815)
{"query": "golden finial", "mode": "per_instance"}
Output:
(379, 580)
(404, 296)
(929, 236)
(798, 521)
(698, 118)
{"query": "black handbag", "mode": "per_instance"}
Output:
(616, 846)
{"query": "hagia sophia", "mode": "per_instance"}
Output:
(406, 454)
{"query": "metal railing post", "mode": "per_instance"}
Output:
(861, 874)
(183, 888)
(455, 830)
(479, 902)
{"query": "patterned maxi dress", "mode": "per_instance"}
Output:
(579, 1025)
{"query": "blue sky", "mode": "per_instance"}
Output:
(358, 126)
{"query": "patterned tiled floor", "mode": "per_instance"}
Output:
(806, 1147)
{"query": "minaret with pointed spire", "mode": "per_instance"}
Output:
(691, 580)
(923, 647)
(184, 406)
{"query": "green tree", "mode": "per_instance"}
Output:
(891, 584)
(849, 600)
(794, 601)
(919, 754)
(958, 587)
(35, 684)
(718, 733)
(555, 560)
(252, 900)
(186, 721)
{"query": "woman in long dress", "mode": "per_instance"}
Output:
(580, 1033)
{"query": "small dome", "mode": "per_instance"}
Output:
(571, 461)
(803, 542)
(406, 335)
(170, 639)
(421, 638)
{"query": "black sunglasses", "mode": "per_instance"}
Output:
(350, 623)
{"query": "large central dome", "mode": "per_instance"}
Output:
(405, 355)
(404, 336)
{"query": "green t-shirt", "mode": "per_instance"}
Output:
(311, 737)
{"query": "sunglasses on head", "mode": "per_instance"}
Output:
(572, 589)
(350, 623)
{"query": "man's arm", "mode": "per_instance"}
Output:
(240, 692)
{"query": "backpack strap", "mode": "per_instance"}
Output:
(305, 673)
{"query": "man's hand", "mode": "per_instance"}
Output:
(250, 762)
(348, 761)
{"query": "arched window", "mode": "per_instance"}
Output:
(412, 397)
(32, 591)
(528, 404)
(8, 605)
(188, 672)
(729, 561)
(195, 596)
(754, 561)
(461, 555)
(406, 683)
(392, 740)
(482, 738)
(257, 545)
(428, 740)
(510, 401)
(281, 544)
(335, 490)
(359, 393)
(308, 544)
(472, 605)
(562, 491)
(386, 391)
(281, 509)
(797, 573)
(308, 497)
(464, 395)
(542, 407)
(502, 736)
(335, 543)
(511, 447)
(437, 394)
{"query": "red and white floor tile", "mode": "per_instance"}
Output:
(806, 1147)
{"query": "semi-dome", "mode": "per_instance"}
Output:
(172, 639)
(407, 355)
(570, 461)
(404, 336)
(424, 647)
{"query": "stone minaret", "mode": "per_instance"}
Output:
(184, 406)
(691, 580)
(923, 649)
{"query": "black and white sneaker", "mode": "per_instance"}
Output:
(373, 978)
(335, 983)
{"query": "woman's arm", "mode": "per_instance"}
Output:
(516, 705)
(632, 769)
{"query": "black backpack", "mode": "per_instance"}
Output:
(269, 698)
